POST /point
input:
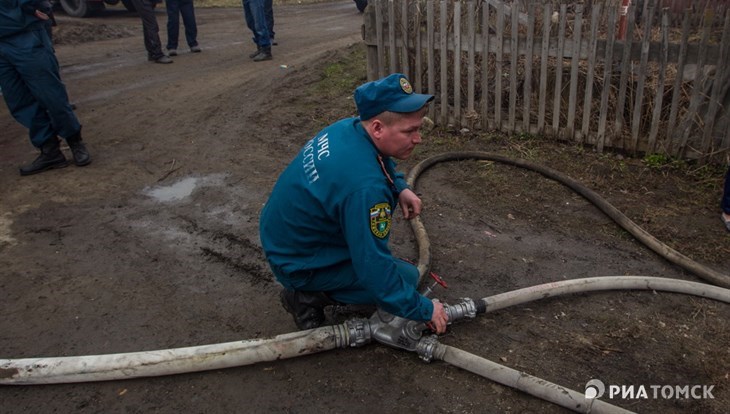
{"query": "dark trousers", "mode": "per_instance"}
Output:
(150, 28)
(255, 13)
(175, 8)
(269, 10)
(726, 194)
(32, 86)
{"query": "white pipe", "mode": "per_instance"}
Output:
(593, 284)
(537, 387)
(109, 367)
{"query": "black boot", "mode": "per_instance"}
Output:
(306, 307)
(253, 55)
(51, 157)
(78, 149)
(264, 54)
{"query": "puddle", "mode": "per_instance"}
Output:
(178, 191)
(6, 236)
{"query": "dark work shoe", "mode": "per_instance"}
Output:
(51, 157)
(78, 149)
(307, 308)
(264, 54)
(163, 59)
(253, 55)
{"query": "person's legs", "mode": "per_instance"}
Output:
(341, 284)
(149, 28)
(256, 20)
(173, 23)
(269, 7)
(187, 10)
(248, 16)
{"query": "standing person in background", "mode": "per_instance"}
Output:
(32, 87)
(175, 8)
(255, 13)
(146, 11)
(725, 203)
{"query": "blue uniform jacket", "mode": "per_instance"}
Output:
(333, 204)
(13, 20)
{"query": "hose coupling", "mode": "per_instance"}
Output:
(358, 332)
(426, 346)
(466, 308)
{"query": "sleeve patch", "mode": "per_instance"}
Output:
(380, 219)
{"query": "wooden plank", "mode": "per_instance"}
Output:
(471, 39)
(405, 64)
(444, 62)
(498, 56)
(542, 102)
(529, 58)
(659, 97)
(457, 63)
(418, 81)
(625, 71)
(697, 96)
(380, 39)
(557, 98)
(485, 67)
(721, 76)
(372, 50)
(588, 97)
(513, 53)
(391, 38)
(431, 51)
(673, 135)
(639, 96)
(574, 61)
(607, 80)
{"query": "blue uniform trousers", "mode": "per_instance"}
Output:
(255, 13)
(340, 281)
(32, 87)
(175, 8)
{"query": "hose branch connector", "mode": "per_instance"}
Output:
(407, 334)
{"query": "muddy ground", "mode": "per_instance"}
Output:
(155, 244)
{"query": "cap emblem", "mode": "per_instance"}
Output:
(406, 86)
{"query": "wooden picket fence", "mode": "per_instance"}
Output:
(558, 70)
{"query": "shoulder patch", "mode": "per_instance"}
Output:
(380, 219)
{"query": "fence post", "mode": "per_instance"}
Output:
(370, 37)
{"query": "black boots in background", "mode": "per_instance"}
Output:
(263, 53)
(51, 156)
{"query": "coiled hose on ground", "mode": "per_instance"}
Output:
(424, 254)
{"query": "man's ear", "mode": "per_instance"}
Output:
(377, 127)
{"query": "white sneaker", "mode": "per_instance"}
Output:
(171, 52)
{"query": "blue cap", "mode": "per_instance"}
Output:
(392, 93)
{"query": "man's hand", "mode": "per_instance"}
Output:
(39, 14)
(409, 203)
(439, 319)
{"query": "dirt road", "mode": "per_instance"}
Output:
(155, 244)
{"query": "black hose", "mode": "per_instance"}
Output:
(424, 259)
